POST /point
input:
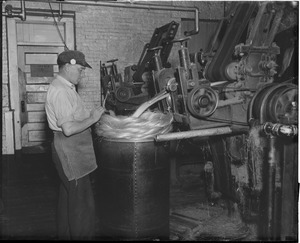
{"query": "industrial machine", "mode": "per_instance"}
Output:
(240, 95)
(247, 91)
(124, 96)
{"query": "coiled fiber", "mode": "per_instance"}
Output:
(147, 126)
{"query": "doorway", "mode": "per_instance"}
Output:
(38, 41)
(36, 67)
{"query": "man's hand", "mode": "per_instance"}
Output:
(96, 113)
(73, 127)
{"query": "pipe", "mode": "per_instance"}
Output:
(274, 175)
(196, 30)
(134, 5)
(279, 130)
(271, 188)
(129, 5)
(60, 12)
(194, 133)
(9, 12)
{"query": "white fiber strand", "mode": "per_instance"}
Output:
(148, 125)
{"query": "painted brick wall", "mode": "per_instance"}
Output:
(104, 33)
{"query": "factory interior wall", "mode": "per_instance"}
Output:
(103, 33)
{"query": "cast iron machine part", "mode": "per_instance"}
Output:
(108, 84)
(249, 58)
(244, 61)
(121, 91)
(110, 81)
(110, 77)
(164, 94)
(116, 77)
(120, 96)
(162, 79)
(162, 36)
(195, 96)
(274, 111)
(277, 103)
(124, 96)
(164, 84)
(202, 101)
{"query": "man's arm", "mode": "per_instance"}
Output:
(73, 127)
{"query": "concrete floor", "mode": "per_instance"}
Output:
(29, 193)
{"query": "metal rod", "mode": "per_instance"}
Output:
(194, 133)
(127, 5)
(132, 5)
(60, 13)
(258, 17)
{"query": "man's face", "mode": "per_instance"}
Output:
(75, 73)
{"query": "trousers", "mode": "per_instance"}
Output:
(76, 205)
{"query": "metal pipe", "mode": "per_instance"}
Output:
(279, 130)
(196, 30)
(60, 12)
(194, 133)
(136, 6)
(127, 5)
(21, 15)
(271, 187)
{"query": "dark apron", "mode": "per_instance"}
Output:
(76, 153)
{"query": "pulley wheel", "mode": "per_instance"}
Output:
(255, 104)
(202, 101)
(123, 94)
(275, 103)
(283, 105)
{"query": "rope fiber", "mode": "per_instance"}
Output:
(147, 126)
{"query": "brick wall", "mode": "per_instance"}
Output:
(103, 33)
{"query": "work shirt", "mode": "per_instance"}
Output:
(63, 104)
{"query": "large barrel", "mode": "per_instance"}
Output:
(132, 189)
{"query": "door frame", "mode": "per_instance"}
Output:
(12, 56)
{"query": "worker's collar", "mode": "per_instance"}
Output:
(66, 82)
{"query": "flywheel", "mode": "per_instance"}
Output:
(275, 103)
(123, 94)
(202, 101)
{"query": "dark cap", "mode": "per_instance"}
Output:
(72, 57)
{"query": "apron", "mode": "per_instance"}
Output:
(76, 153)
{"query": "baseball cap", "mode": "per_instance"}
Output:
(72, 57)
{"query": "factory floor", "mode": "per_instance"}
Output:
(29, 193)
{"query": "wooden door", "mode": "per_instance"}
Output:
(39, 42)
(37, 67)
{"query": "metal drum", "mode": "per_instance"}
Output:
(132, 189)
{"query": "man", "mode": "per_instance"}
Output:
(72, 148)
